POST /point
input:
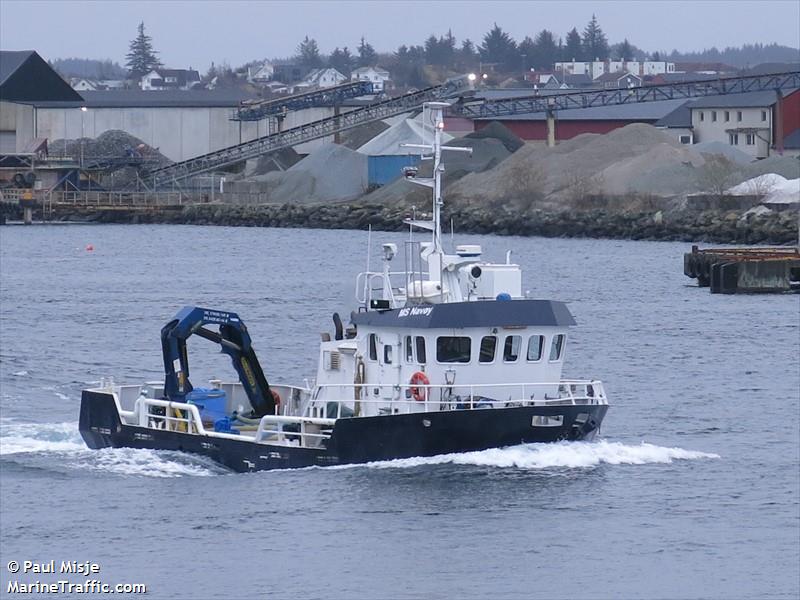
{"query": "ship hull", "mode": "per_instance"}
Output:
(354, 440)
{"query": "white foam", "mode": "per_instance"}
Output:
(571, 455)
(62, 444)
(20, 373)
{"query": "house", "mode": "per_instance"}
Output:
(319, 78)
(81, 84)
(597, 68)
(375, 75)
(756, 122)
(261, 75)
(618, 80)
(169, 79)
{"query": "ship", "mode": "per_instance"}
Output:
(443, 354)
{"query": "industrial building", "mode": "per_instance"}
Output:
(757, 123)
(26, 79)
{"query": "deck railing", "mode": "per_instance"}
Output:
(407, 398)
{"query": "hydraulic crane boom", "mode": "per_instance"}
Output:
(233, 340)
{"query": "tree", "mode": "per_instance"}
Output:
(308, 53)
(367, 57)
(527, 53)
(545, 50)
(498, 47)
(573, 49)
(467, 54)
(595, 42)
(624, 50)
(656, 57)
(141, 58)
(341, 60)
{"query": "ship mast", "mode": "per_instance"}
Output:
(436, 254)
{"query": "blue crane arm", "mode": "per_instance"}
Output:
(233, 340)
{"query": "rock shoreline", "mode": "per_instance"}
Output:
(711, 225)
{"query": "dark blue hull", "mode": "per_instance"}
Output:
(354, 440)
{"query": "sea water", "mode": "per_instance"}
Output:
(691, 491)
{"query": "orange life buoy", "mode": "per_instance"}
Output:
(276, 397)
(419, 394)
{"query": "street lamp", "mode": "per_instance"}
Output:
(83, 112)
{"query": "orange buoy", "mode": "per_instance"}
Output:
(89, 248)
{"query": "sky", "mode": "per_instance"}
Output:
(195, 33)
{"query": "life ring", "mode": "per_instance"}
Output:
(276, 397)
(418, 393)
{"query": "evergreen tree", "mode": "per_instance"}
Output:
(527, 53)
(367, 57)
(573, 49)
(308, 53)
(499, 48)
(624, 51)
(141, 58)
(657, 57)
(467, 54)
(595, 42)
(545, 50)
(341, 60)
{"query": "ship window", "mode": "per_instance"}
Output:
(421, 357)
(373, 347)
(557, 347)
(409, 350)
(488, 346)
(535, 345)
(453, 349)
(511, 348)
(387, 355)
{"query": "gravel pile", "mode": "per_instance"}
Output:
(726, 150)
(407, 131)
(113, 143)
(329, 174)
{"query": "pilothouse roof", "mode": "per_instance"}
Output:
(457, 315)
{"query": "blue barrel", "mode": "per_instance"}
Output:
(211, 402)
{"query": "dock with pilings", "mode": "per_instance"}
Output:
(744, 270)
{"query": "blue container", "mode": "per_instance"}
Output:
(385, 169)
(211, 402)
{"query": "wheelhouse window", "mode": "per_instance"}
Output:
(387, 355)
(453, 349)
(713, 115)
(409, 350)
(511, 348)
(535, 347)
(557, 347)
(727, 115)
(420, 344)
(488, 347)
(373, 346)
(702, 116)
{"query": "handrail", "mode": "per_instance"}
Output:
(402, 395)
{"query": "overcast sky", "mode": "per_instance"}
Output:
(195, 33)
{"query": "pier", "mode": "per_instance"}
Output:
(55, 205)
(744, 270)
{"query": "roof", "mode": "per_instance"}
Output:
(748, 100)
(26, 77)
(616, 76)
(155, 98)
(637, 111)
(458, 315)
(680, 117)
(378, 70)
(792, 141)
(682, 77)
